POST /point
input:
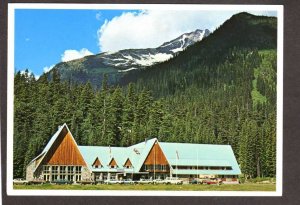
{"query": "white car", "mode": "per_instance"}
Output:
(20, 181)
(173, 180)
(159, 181)
(145, 181)
(129, 181)
(113, 181)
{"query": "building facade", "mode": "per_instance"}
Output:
(63, 159)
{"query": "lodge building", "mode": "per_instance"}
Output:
(63, 159)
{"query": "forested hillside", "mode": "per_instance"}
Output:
(222, 90)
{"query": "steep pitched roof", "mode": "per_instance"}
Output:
(51, 141)
(143, 148)
(97, 162)
(61, 130)
(127, 162)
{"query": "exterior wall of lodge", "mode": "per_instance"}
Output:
(58, 172)
(82, 173)
(30, 171)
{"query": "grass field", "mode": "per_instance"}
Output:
(161, 187)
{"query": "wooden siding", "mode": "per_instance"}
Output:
(156, 156)
(64, 151)
(112, 162)
(97, 162)
(128, 163)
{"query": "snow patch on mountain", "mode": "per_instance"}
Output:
(147, 60)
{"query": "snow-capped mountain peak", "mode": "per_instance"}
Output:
(131, 59)
(185, 40)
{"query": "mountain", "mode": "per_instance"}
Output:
(241, 32)
(129, 59)
(91, 68)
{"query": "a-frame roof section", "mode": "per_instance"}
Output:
(145, 147)
(156, 155)
(62, 130)
(128, 162)
(51, 141)
(97, 162)
(113, 162)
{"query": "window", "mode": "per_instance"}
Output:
(70, 169)
(54, 177)
(54, 169)
(46, 169)
(70, 177)
(46, 177)
(78, 169)
(62, 169)
(46, 172)
(77, 177)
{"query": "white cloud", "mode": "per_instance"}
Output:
(148, 29)
(69, 55)
(48, 68)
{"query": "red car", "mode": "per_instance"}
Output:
(212, 181)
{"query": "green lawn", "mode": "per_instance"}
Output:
(162, 187)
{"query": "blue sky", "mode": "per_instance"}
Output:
(45, 37)
(42, 36)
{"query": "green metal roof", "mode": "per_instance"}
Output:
(187, 154)
(136, 154)
(181, 154)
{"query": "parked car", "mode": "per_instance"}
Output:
(145, 181)
(159, 181)
(212, 181)
(129, 181)
(173, 180)
(20, 181)
(113, 181)
(195, 181)
(38, 181)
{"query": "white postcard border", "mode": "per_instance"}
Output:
(10, 96)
